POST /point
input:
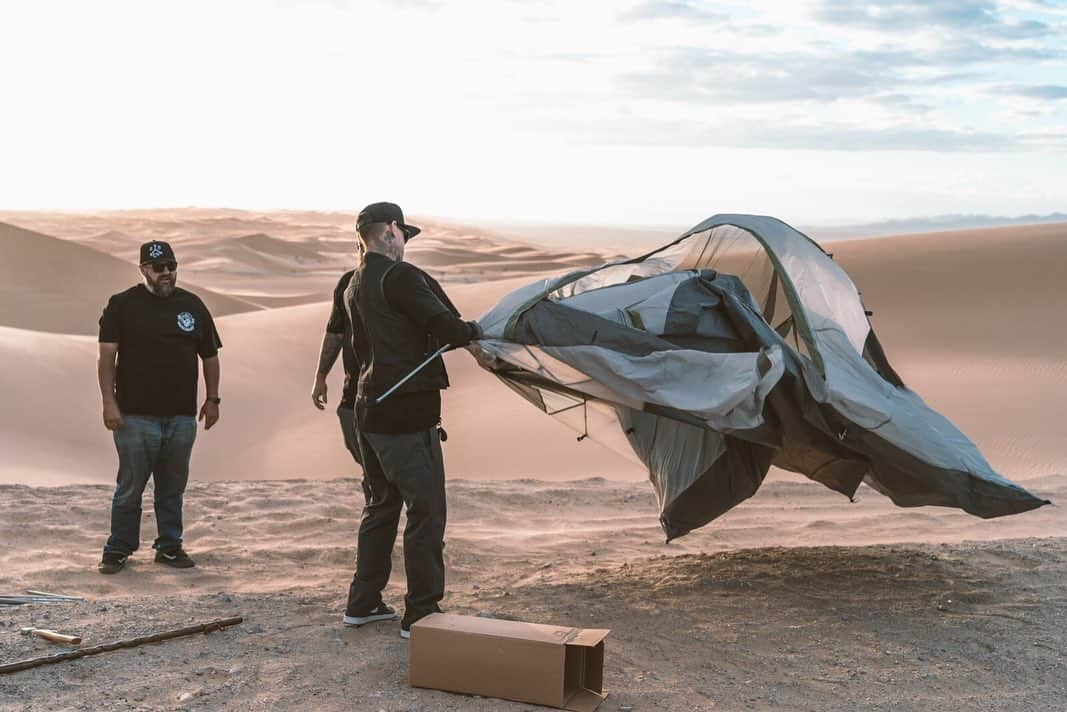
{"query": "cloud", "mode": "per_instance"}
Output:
(1047, 92)
(790, 135)
(907, 16)
(971, 51)
(828, 137)
(713, 75)
(757, 30)
(826, 73)
(673, 10)
(903, 102)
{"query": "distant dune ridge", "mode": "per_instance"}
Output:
(47, 284)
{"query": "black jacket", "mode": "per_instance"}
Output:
(400, 331)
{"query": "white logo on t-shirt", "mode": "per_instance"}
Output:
(155, 251)
(186, 322)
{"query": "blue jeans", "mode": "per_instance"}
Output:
(157, 447)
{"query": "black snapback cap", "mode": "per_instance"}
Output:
(157, 251)
(386, 213)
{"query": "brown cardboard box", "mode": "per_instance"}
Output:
(543, 664)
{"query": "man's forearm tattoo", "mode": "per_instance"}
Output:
(331, 347)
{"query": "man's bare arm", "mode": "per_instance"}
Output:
(212, 374)
(106, 370)
(209, 412)
(331, 347)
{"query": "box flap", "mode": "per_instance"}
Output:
(493, 627)
(587, 636)
(584, 701)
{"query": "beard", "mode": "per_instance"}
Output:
(163, 285)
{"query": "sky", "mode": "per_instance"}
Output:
(656, 112)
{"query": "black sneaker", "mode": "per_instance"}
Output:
(405, 625)
(112, 563)
(381, 613)
(176, 558)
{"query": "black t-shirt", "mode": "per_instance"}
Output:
(159, 340)
(340, 324)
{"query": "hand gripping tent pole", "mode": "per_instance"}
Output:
(411, 375)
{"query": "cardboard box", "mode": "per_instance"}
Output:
(543, 664)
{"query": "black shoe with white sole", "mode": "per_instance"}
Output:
(176, 558)
(405, 625)
(112, 563)
(381, 613)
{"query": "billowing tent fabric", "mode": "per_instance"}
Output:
(739, 345)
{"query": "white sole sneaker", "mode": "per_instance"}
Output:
(405, 634)
(373, 618)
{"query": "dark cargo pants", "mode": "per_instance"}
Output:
(349, 431)
(402, 469)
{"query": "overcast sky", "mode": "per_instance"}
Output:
(655, 112)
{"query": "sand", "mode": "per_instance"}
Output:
(797, 599)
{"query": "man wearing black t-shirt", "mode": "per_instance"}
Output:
(338, 341)
(400, 317)
(151, 337)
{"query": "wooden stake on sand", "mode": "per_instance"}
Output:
(130, 643)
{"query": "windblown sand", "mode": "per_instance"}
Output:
(797, 599)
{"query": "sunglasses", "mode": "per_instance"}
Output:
(158, 267)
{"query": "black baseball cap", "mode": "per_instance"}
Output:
(156, 251)
(386, 213)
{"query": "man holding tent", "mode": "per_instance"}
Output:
(400, 316)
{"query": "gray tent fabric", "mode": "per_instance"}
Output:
(738, 345)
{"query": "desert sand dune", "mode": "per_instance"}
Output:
(264, 243)
(59, 286)
(259, 255)
(969, 319)
(289, 258)
(269, 428)
(268, 364)
(996, 292)
(112, 242)
(997, 376)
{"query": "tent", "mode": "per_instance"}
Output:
(739, 345)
